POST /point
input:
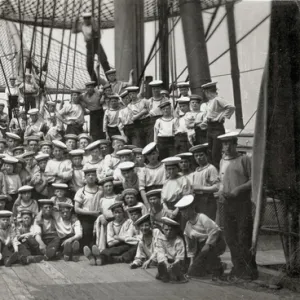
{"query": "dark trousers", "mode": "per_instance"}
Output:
(52, 242)
(112, 131)
(200, 136)
(165, 146)
(181, 143)
(8, 250)
(238, 226)
(131, 133)
(74, 129)
(175, 274)
(96, 124)
(32, 246)
(91, 50)
(144, 132)
(214, 144)
(87, 223)
(127, 252)
(29, 102)
(206, 204)
(208, 262)
(13, 103)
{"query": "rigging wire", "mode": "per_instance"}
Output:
(212, 19)
(42, 41)
(99, 41)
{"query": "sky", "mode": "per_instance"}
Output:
(252, 52)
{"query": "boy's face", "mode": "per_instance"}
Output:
(130, 200)
(184, 164)
(195, 104)
(114, 103)
(108, 92)
(145, 227)
(117, 145)
(2, 147)
(83, 143)
(11, 143)
(9, 168)
(77, 161)
(4, 223)
(46, 149)
(169, 231)
(65, 213)
(26, 196)
(132, 96)
(26, 220)
(184, 107)
(47, 210)
(90, 89)
(172, 171)
(127, 174)
(58, 153)
(119, 214)
(91, 177)
(42, 164)
(33, 146)
(126, 157)
(154, 200)
(152, 157)
(104, 149)
(2, 204)
(34, 118)
(18, 152)
(228, 147)
(200, 158)
(59, 193)
(156, 91)
(135, 215)
(166, 110)
(71, 144)
(184, 91)
(111, 77)
(28, 161)
(95, 153)
(108, 188)
(140, 159)
(126, 100)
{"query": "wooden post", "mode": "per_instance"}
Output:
(195, 46)
(235, 72)
(129, 38)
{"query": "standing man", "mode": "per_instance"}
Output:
(4, 120)
(12, 96)
(216, 111)
(90, 31)
(118, 86)
(93, 101)
(235, 194)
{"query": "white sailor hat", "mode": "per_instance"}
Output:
(46, 201)
(199, 148)
(116, 205)
(156, 83)
(170, 161)
(87, 15)
(26, 212)
(196, 97)
(5, 214)
(129, 191)
(149, 148)
(59, 144)
(104, 142)
(114, 96)
(12, 136)
(33, 138)
(164, 103)
(130, 147)
(77, 152)
(51, 103)
(65, 205)
(228, 136)
(124, 94)
(169, 221)
(184, 84)
(124, 152)
(164, 92)
(143, 219)
(18, 148)
(106, 86)
(87, 170)
(118, 138)
(71, 136)
(28, 154)
(153, 192)
(137, 207)
(111, 71)
(106, 179)
(10, 160)
(42, 156)
(25, 188)
(132, 89)
(89, 83)
(33, 111)
(126, 165)
(137, 150)
(45, 143)
(184, 155)
(185, 201)
(84, 136)
(209, 84)
(183, 100)
(60, 185)
(92, 145)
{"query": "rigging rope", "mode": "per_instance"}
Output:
(42, 44)
(212, 19)
(99, 41)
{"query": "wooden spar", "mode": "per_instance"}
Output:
(235, 72)
(129, 38)
(163, 28)
(195, 46)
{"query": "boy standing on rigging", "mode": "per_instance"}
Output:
(12, 96)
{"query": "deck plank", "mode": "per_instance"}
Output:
(6, 293)
(56, 276)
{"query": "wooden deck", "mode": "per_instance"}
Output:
(71, 281)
